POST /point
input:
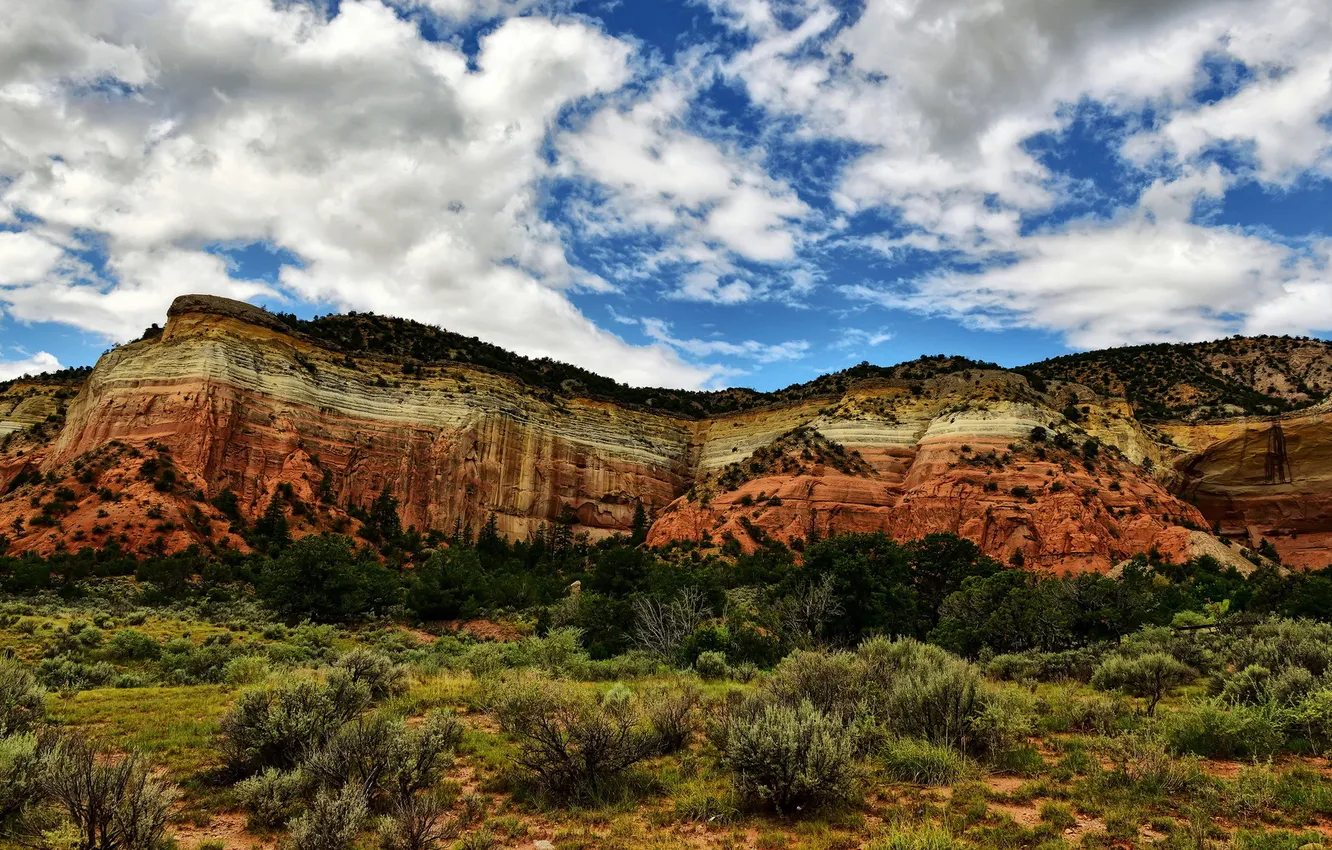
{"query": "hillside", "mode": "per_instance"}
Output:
(228, 414)
(1241, 376)
(421, 347)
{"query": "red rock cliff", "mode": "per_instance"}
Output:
(234, 399)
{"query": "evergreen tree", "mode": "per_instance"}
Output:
(488, 540)
(326, 486)
(639, 530)
(271, 532)
(384, 517)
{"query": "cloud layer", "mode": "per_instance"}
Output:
(526, 160)
(33, 365)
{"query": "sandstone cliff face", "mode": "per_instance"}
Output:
(31, 414)
(1259, 479)
(247, 407)
(955, 458)
(234, 399)
(23, 405)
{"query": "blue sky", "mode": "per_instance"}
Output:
(681, 192)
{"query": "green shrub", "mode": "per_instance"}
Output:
(924, 763)
(381, 677)
(1257, 684)
(333, 822)
(830, 682)
(1199, 649)
(22, 700)
(744, 672)
(184, 663)
(1311, 719)
(935, 696)
(1279, 644)
(66, 674)
(915, 690)
(23, 760)
(1143, 760)
(634, 664)
(671, 717)
(560, 652)
(361, 754)
(1069, 665)
(383, 758)
(1066, 710)
(1209, 729)
(712, 665)
(245, 670)
(114, 802)
(420, 822)
(570, 747)
(1150, 676)
(272, 797)
(790, 759)
(133, 645)
(277, 727)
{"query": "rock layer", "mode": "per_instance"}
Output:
(239, 401)
(247, 407)
(1264, 479)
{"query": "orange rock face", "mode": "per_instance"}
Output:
(1053, 511)
(243, 406)
(235, 400)
(1265, 479)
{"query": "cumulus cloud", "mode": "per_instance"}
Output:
(479, 190)
(34, 365)
(713, 203)
(1129, 282)
(945, 94)
(404, 180)
(749, 349)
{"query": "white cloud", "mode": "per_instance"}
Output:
(405, 182)
(463, 10)
(34, 365)
(749, 349)
(713, 202)
(410, 178)
(1135, 281)
(25, 257)
(944, 94)
(1281, 114)
(858, 338)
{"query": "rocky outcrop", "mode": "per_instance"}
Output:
(1264, 479)
(231, 398)
(246, 406)
(953, 459)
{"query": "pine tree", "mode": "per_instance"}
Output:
(384, 516)
(639, 529)
(488, 538)
(272, 528)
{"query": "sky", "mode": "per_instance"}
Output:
(685, 193)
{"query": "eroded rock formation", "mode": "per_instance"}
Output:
(235, 399)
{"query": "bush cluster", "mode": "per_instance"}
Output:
(314, 756)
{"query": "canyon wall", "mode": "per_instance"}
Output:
(238, 400)
(1264, 479)
(247, 406)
